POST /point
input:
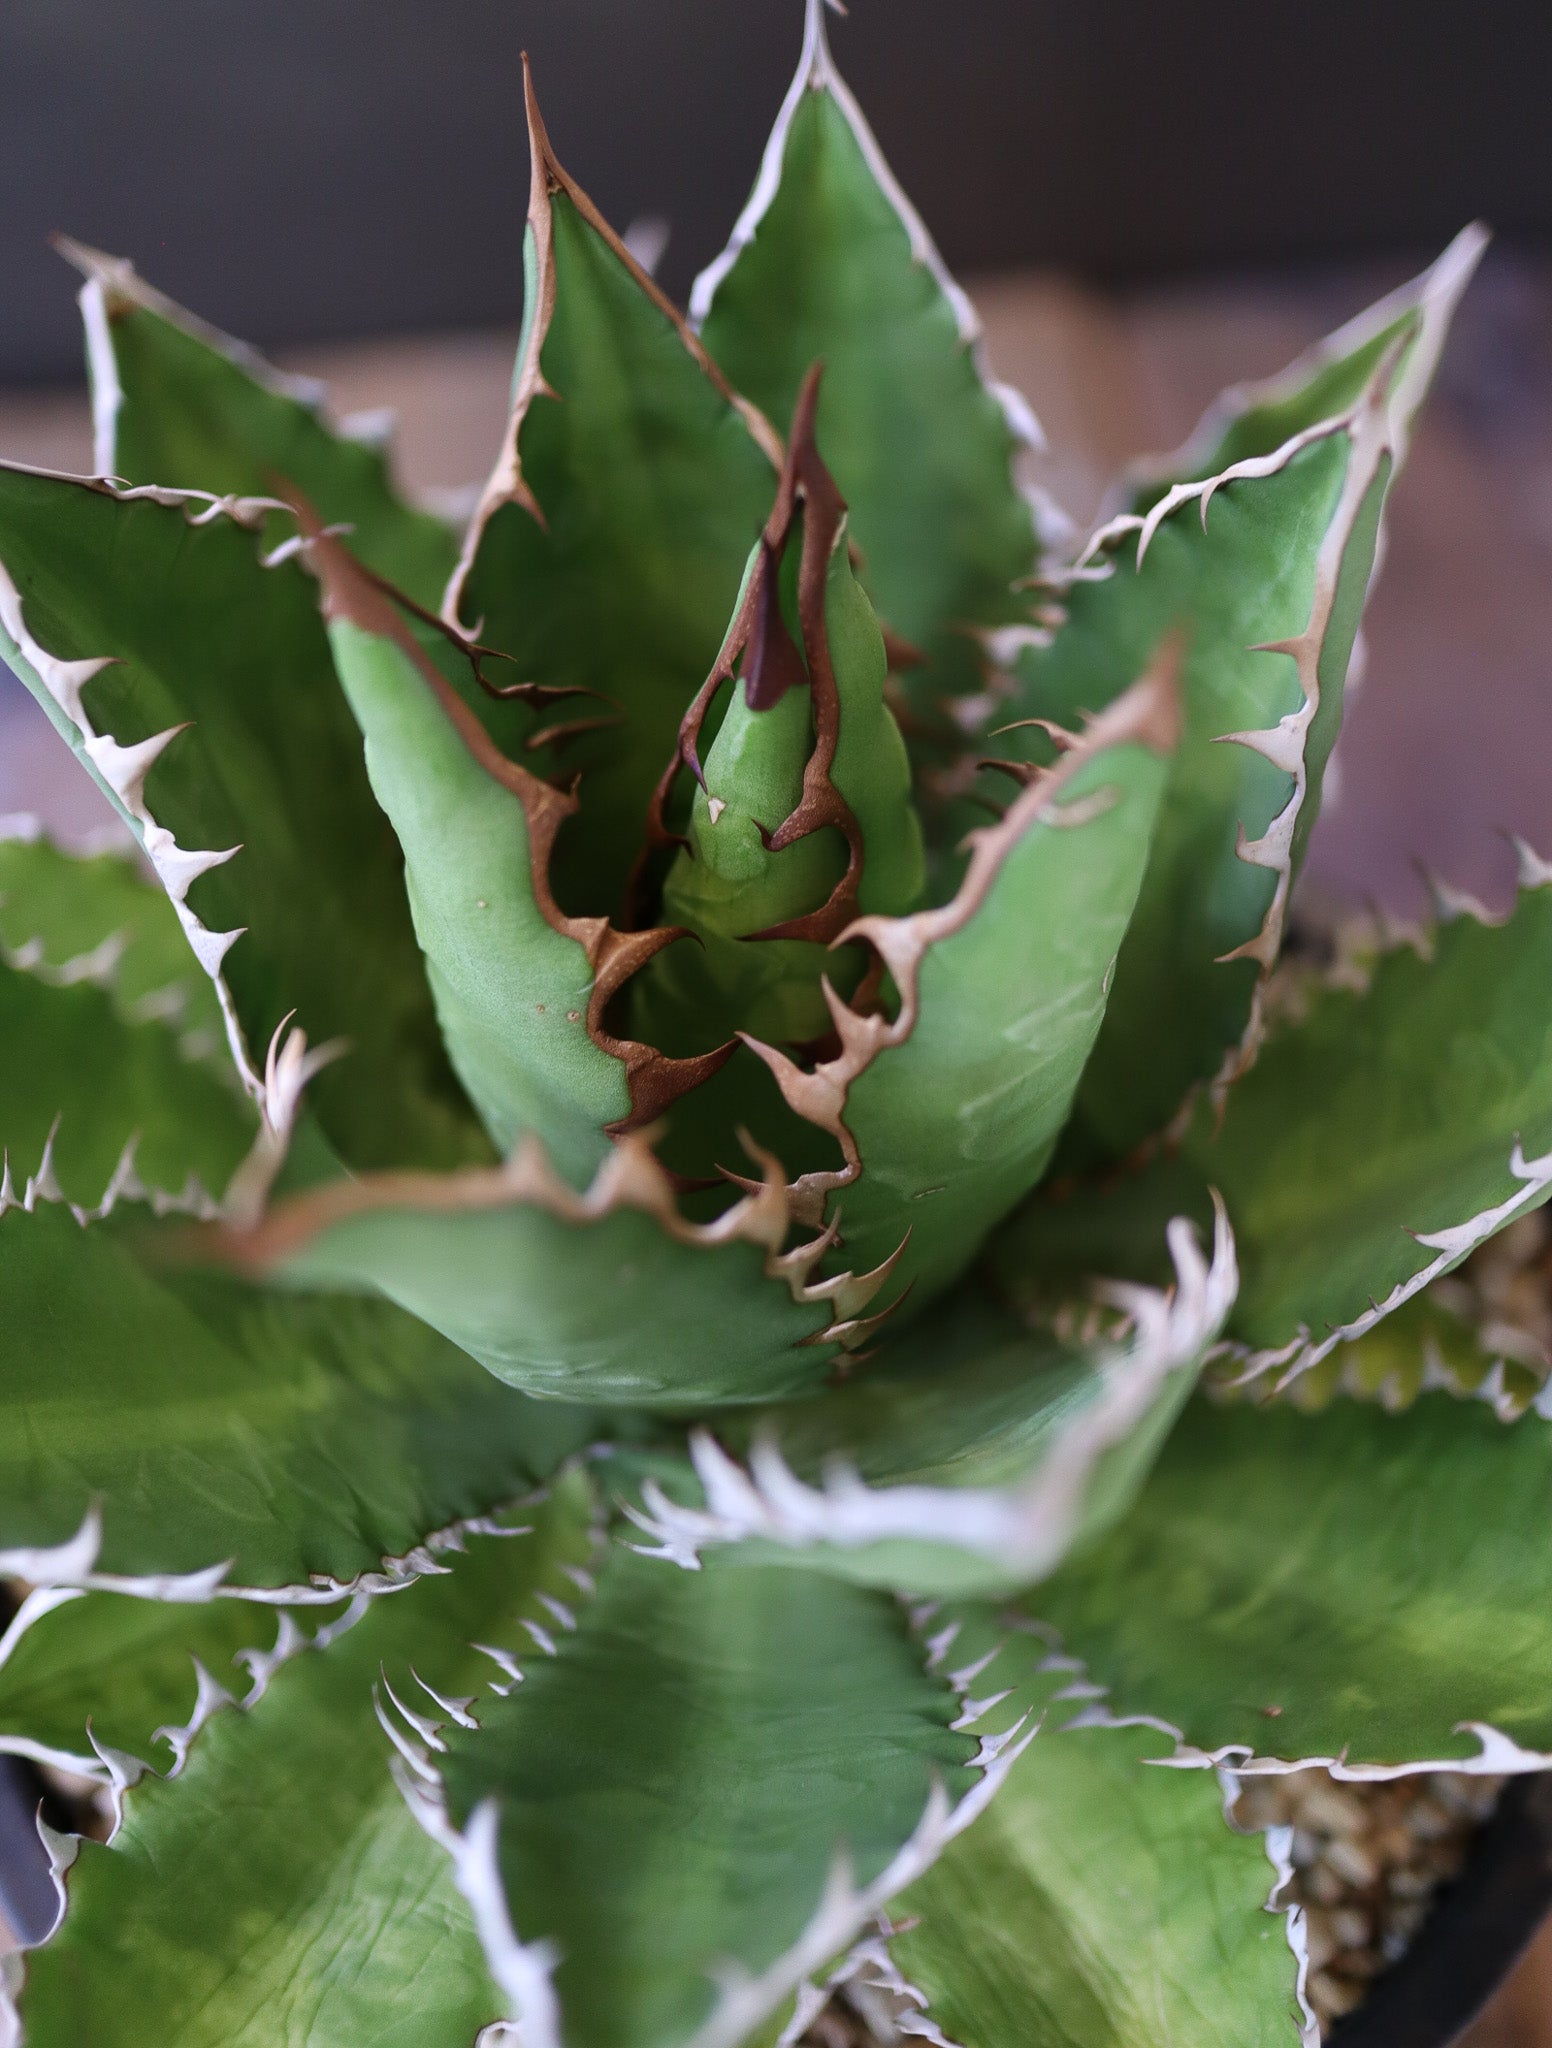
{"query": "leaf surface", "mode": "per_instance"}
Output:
(830, 263)
(1388, 1600)
(78, 1670)
(197, 687)
(671, 1792)
(1263, 566)
(969, 1456)
(178, 403)
(609, 1296)
(205, 1422)
(1098, 1903)
(607, 552)
(1378, 1140)
(278, 1893)
(948, 1112)
(97, 917)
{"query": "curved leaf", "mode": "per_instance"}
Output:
(157, 1422)
(716, 1781)
(1268, 586)
(521, 990)
(608, 547)
(197, 687)
(802, 814)
(277, 1891)
(947, 1113)
(1379, 1139)
(969, 1457)
(176, 402)
(1099, 1903)
(830, 263)
(1388, 1601)
(609, 1296)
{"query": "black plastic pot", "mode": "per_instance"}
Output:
(1477, 1932)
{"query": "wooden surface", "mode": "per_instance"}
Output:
(1447, 744)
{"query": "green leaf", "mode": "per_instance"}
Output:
(178, 403)
(82, 1673)
(100, 1094)
(830, 263)
(277, 1893)
(1267, 588)
(947, 1113)
(1249, 420)
(802, 814)
(93, 1107)
(970, 1456)
(196, 685)
(610, 1296)
(1351, 1585)
(71, 917)
(607, 552)
(1101, 1904)
(520, 989)
(161, 1422)
(1378, 1140)
(719, 1776)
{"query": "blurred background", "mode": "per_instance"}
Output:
(1146, 203)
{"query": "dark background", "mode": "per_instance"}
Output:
(296, 169)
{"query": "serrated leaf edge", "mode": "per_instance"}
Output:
(114, 285)
(1148, 715)
(1378, 428)
(1025, 1528)
(121, 771)
(1497, 1755)
(630, 1178)
(521, 1971)
(1451, 273)
(817, 72)
(1450, 1244)
(506, 484)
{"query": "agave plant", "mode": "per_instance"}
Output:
(599, 1248)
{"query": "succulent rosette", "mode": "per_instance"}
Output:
(681, 1282)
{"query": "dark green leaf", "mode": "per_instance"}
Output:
(1267, 588)
(197, 686)
(1354, 1585)
(607, 553)
(200, 1422)
(830, 263)
(277, 1893)
(671, 1792)
(178, 403)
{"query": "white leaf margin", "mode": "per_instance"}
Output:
(120, 771)
(524, 1971)
(1025, 1529)
(817, 72)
